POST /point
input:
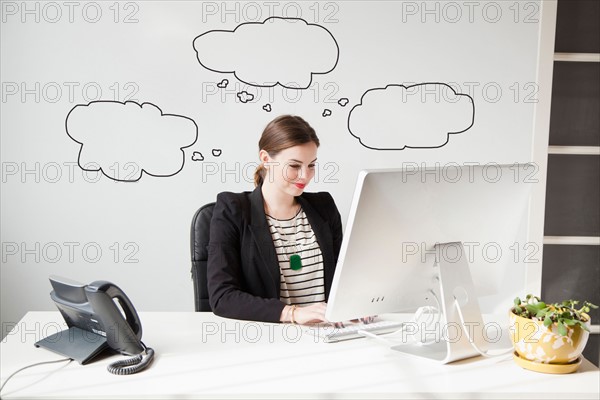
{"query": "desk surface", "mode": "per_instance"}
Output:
(199, 355)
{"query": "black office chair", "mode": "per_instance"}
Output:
(200, 236)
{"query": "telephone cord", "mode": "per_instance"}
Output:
(33, 365)
(133, 364)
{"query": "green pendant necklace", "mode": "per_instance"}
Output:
(295, 262)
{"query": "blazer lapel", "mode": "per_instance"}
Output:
(262, 236)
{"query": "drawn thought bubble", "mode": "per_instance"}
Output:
(123, 140)
(245, 97)
(284, 51)
(416, 116)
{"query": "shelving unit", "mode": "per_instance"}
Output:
(571, 263)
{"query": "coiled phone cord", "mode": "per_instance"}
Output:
(133, 364)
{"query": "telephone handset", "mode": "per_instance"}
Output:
(100, 316)
(122, 335)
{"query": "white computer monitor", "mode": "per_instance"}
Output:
(423, 236)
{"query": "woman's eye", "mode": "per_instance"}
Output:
(295, 166)
(311, 166)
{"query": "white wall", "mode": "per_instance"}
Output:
(55, 216)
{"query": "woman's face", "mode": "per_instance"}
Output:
(292, 169)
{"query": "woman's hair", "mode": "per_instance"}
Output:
(283, 132)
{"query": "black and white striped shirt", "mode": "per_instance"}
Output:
(295, 236)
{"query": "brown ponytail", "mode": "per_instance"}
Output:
(259, 175)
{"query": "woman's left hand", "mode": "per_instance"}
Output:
(364, 320)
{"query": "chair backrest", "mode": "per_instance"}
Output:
(200, 236)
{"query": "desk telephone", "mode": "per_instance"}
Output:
(100, 317)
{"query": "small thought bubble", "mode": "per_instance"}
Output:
(343, 101)
(216, 152)
(245, 97)
(267, 107)
(197, 156)
(326, 112)
(223, 84)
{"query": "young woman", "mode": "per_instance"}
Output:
(273, 251)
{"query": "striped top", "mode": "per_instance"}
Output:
(295, 236)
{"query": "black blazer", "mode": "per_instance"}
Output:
(243, 270)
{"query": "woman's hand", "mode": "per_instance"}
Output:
(304, 315)
(314, 313)
(364, 320)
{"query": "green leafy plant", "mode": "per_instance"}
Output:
(564, 314)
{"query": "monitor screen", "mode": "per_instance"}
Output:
(388, 255)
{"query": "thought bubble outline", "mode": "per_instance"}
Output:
(408, 87)
(245, 97)
(337, 57)
(343, 102)
(142, 170)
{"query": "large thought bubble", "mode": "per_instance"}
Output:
(416, 116)
(284, 51)
(124, 140)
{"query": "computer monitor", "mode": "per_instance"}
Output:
(425, 236)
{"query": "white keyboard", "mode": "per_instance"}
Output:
(329, 334)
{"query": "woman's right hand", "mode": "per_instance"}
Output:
(310, 314)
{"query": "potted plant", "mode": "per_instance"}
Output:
(549, 337)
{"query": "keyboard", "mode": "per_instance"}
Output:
(329, 334)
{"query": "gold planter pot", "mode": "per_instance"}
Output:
(543, 349)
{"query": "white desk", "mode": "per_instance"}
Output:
(199, 355)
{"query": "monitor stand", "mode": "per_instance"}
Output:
(448, 341)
